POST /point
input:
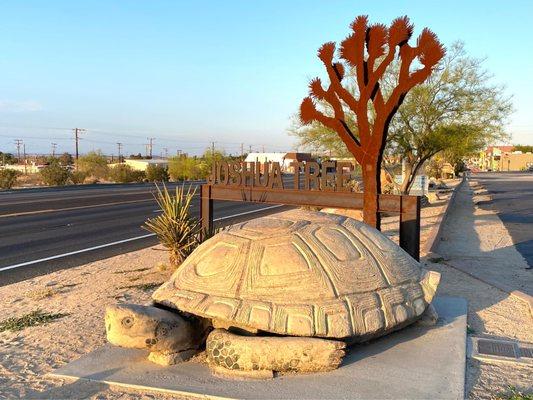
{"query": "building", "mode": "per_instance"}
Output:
(503, 158)
(489, 160)
(284, 159)
(516, 161)
(142, 164)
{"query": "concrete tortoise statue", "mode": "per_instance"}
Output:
(285, 292)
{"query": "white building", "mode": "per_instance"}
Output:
(284, 159)
(141, 165)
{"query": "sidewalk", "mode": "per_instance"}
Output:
(478, 261)
(476, 241)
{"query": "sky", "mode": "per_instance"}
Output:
(189, 73)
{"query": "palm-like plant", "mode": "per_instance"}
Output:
(175, 228)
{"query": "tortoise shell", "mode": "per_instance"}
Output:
(300, 273)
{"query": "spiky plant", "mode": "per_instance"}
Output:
(175, 228)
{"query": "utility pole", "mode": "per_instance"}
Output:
(54, 145)
(242, 150)
(151, 145)
(25, 164)
(178, 153)
(249, 149)
(18, 142)
(119, 145)
(263, 148)
(77, 132)
(165, 151)
(213, 150)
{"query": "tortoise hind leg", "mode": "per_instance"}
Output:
(259, 356)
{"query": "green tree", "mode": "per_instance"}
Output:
(187, 168)
(55, 175)
(123, 173)
(8, 177)
(524, 148)
(94, 164)
(7, 158)
(458, 111)
(157, 173)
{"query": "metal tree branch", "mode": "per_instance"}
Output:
(362, 50)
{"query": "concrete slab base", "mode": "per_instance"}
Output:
(416, 363)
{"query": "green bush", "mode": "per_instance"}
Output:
(94, 164)
(78, 177)
(123, 173)
(156, 173)
(8, 177)
(55, 175)
(187, 168)
(175, 227)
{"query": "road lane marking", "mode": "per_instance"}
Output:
(71, 253)
(101, 246)
(20, 214)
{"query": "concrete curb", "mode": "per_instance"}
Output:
(435, 234)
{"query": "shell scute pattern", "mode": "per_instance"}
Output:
(300, 273)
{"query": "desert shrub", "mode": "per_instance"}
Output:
(55, 175)
(123, 173)
(156, 173)
(77, 177)
(94, 164)
(8, 177)
(175, 228)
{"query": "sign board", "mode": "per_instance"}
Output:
(326, 184)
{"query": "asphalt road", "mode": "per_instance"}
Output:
(512, 194)
(40, 228)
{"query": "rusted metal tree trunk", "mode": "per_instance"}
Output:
(369, 50)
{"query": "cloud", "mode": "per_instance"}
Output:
(19, 106)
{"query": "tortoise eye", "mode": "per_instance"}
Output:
(127, 322)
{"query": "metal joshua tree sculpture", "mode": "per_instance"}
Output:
(370, 49)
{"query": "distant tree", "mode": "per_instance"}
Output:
(66, 159)
(137, 156)
(157, 173)
(94, 164)
(55, 175)
(7, 158)
(524, 148)
(187, 168)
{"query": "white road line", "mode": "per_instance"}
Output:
(24, 264)
(75, 252)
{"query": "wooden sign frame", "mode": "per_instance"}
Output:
(408, 207)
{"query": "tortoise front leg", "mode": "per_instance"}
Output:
(260, 356)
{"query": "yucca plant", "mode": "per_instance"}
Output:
(175, 228)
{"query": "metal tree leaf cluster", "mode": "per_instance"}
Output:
(370, 49)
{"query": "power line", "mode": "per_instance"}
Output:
(54, 145)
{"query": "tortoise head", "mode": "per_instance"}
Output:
(135, 326)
